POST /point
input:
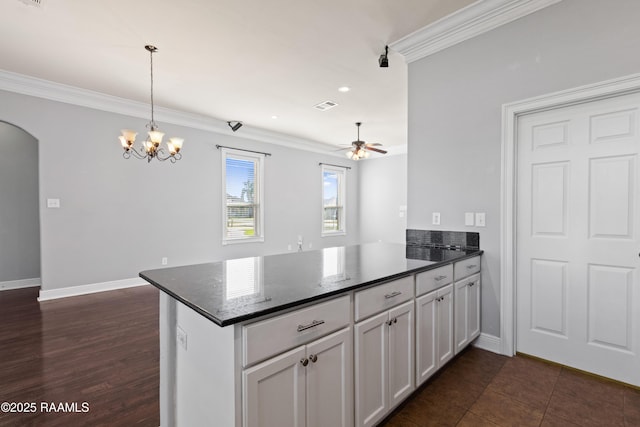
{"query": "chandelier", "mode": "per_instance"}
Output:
(151, 148)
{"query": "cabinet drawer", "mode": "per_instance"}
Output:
(466, 268)
(272, 336)
(433, 279)
(382, 297)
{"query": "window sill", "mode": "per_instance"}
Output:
(248, 240)
(333, 233)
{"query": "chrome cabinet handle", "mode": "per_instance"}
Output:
(313, 358)
(438, 278)
(392, 294)
(471, 266)
(304, 361)
(471, 284)
(313, 324)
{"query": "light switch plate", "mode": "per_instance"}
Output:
(469, 218)
(480, 219)
(435, 218)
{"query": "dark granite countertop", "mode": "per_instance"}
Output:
(232, 291)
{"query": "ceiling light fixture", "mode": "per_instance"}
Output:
(236, 126)
(384, 60)
(151, 146)
(359, 148)
(344, 89)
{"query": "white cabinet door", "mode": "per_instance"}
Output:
(274, 392)
(330, 381)
(445, 325)
(467, 311)
(426, 336)
(473, 299)
(434, 332)
(401, 353)
(371, 366)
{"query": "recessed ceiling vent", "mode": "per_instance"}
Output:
(36, 3)
(324, 106)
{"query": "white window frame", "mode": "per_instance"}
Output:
(258, 190)
(342, 195)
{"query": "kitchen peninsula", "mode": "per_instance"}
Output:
(332, 337)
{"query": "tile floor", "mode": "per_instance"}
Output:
(481, 389)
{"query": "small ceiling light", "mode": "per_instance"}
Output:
(236, 126)
(151, 146)
(274, 117)
(344, 89)
(384, 60)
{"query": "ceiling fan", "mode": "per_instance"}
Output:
(360, 149)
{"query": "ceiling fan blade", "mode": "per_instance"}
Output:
(377, 150)
(374, 144)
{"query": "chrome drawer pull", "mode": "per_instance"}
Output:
(471, 266)
(438, 278)
(313, 324)
(392, 294)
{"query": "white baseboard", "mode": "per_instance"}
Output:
(92, 288)
(488, 342)
(19, 284)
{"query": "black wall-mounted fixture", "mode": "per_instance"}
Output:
(384, 60)
(236, 126)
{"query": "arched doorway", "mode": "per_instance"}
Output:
(19, 209)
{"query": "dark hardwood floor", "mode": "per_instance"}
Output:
(102, 349)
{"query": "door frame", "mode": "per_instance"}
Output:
(508, 245)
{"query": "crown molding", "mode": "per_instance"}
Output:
(466, 23)
(32, 86)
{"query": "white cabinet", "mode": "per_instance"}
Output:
(467, 311)
(384, 362)
(434, 332)
(310, 386)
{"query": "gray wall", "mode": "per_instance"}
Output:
(19, 215)
(383, 190)
(455, 100)
(118, 217)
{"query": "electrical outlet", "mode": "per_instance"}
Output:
(288, 247)
(53, 203)
(165, 260)
(480, 219)
(435, 218)
(181, 337)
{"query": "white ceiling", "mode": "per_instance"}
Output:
(244, 60)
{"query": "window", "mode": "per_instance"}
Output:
(333, 195)
(243, 202)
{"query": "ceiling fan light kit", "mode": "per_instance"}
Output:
(360, 149)
(151, 146)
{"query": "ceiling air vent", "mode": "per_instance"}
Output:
(36, 3)
(324, 106)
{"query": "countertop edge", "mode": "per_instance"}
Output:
(301, 302)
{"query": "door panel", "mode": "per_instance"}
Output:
(401, 353)
(274, 393)
(330, 381)
(548, 296)
(371, 351)
(578, 241)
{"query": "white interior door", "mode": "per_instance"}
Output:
(578, 237)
